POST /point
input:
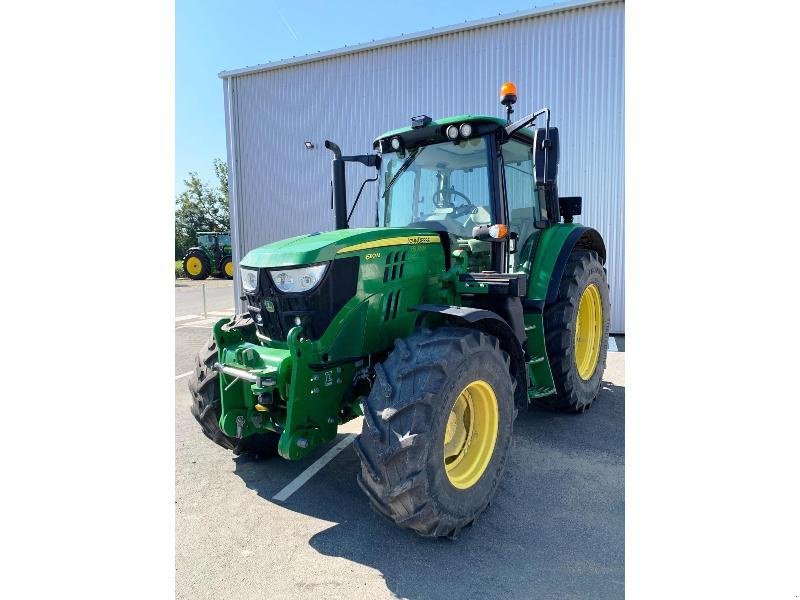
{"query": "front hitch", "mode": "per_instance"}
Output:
(282, 389)
(238, 374)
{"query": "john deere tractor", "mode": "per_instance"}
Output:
(473, 296)
(211, 255)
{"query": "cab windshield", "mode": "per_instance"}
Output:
(442, 185)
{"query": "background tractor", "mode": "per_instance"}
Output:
(212, 255)
(474, 296)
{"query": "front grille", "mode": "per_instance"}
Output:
(316, 308)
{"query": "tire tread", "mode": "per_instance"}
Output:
(570, 395)
(400, 408)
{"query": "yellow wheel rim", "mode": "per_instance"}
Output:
(194, 265)
(470, 434)
(588, 331)
(229, 268)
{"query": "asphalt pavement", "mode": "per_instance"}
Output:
(555, 529)
(189, 297)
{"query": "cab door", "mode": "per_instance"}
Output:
(522, 202)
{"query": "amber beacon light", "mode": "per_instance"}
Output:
(508, 96)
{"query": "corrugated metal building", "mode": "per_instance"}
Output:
(569, 57)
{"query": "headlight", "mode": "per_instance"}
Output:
(452, 132)
(466, 130)
(298, 280)
(249, 279)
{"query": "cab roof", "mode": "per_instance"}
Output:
(436, 127)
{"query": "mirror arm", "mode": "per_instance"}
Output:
(525, 121)
(368, 160)
(365, 182)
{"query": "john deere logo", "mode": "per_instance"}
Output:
(269, 306)
(425, 239)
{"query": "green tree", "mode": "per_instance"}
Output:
(201, 207)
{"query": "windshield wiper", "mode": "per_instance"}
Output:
(407, 163)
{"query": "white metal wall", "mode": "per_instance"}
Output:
(571, 61)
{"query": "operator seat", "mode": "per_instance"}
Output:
(481, 216)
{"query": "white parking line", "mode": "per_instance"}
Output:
(182, 375)
(207, 323)
(186, 318)
(213, 313)
(323, 460)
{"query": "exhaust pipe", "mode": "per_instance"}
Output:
(339, 185)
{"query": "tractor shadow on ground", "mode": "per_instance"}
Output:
(554, 530)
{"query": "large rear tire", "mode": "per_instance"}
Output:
(437, 430)
(576, 331)
(227, 267)
(195, 265)
(204, 387)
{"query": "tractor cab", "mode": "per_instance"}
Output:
(214, 243)
(456, 175)
(462, 175)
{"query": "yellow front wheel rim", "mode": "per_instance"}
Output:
(194, 265)
(471, 434)
(588, 331)
(229, 268)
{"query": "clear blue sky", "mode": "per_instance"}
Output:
(216, 35)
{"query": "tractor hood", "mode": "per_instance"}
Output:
(319, 247)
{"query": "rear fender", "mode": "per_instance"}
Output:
(198, 249)
(555, 245)
(553, 249)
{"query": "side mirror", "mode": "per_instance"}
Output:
(569, 207)
(545, 154)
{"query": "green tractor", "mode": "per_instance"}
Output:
(474, 296)
(211, 255)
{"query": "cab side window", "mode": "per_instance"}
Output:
(523, 206)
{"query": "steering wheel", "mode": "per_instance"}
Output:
(464, 209)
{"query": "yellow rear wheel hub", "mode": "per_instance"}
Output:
(194, 266)
(588, 331)
(229, 268)
(471, 434)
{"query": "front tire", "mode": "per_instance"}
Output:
(195, 265)
(437, 430)
(576, 331)
(204, 387)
